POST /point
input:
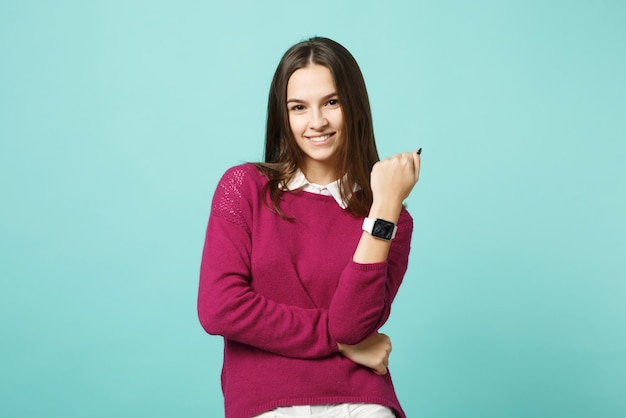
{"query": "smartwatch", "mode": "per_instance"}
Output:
(380, 228)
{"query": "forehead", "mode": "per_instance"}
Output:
(310, 81)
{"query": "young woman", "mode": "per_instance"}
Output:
(305, 252)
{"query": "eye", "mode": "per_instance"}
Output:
(332, 102)
(297, 108)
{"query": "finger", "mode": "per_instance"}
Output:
(395, 159)
(416, 164)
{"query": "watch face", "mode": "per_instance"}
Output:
(383, 229)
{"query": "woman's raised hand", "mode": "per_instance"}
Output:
(392, 179)
(372, 352)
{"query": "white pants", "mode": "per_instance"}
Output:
(344, 410)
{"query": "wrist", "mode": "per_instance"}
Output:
(387, 211)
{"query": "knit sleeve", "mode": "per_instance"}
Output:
(362, 302)
(227, 305)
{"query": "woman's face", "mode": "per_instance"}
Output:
(316, 121)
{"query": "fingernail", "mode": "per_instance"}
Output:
(419, 151)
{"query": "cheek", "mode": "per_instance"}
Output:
(337, 119)
(291, 123)
(296, 124)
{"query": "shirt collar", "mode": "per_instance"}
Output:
(300, 182)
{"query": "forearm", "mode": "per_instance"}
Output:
(228, 306)
(362, 302)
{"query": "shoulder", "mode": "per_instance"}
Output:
(241, 179)
(237, 193)
(243, 173)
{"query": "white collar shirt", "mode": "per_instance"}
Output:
(300, 182)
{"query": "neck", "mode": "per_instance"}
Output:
(319, 174)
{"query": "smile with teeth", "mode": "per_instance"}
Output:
(321, 138)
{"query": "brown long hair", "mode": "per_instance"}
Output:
(357, 153)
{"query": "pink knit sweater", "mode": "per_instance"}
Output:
(282, 294)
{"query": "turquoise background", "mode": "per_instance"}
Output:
(117, 119)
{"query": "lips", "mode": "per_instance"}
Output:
(319, 138)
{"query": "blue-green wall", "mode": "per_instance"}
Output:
(118, 117)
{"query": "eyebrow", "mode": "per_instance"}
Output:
(328, 96)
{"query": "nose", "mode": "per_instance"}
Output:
(318, 119)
